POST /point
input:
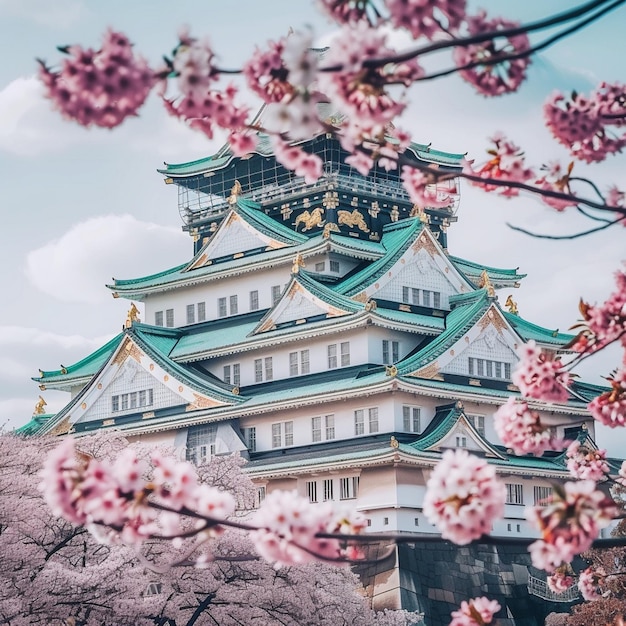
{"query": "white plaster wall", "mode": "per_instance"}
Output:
(492, 347)
(260, 280)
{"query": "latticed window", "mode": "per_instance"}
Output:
(373, 419)
(334, 266)
(222, 311)
(132, 400)
(275, 294)
(330, 426)
(236, 374)
(258, 370)
(359, 423)
(488, 368)
(250, 438)
(478, 422)
(316, 429)
(320, 267)
(289, 433)
(277, 438)
(436, 300)
(201, 311)
(305, 363)
(411, 419)
(234, 307)
(542, 495)
(227, 374)
(269, 368)
(514, 493)
(328, 489)
(348, 487)
(311, 490)
(158, 318)
(169, 318)
(201, 443)
(345, 353)
(332, 356)
(191, 314)
(293, 364)
(254, 300)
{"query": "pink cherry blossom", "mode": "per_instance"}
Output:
(559, 582)
(494, 74)
(609, 408)
(423, 190)
(540, 374)
(310, 166)
(558, 181)
(266, 73)
(585, 463)
(520, 429)
(476, 612)
(193, 64)
(100, 88)
(463, 496)
(344, 11)
(427, 18)
(569, 523)
(589, 581)
(242, 143)
(288, 524)
(617, 198)
(507, 163)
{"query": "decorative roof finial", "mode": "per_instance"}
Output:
(132, 315)
(39, 407)
(485, 283)
(235, 192)
(394, 443)
(298, 262)
(391, 370)
(511, 305)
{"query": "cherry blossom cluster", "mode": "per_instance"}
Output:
(589, 583)
(557, 180)
(463, 497)
(586, 124)
(540, 374)
(520, 429)
(476, 612)
(586, 463)
(560, 581)
(288, 527)
(569, 523)
(489, 66)
(99, 87)
(100, 493)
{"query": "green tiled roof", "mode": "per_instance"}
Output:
(326, 294)
(496, 274)
(459, 321)
(529, 331)
(35, 423)
(415, 319)
(395, 241)
(85, 367)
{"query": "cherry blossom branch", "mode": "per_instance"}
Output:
(584, 233)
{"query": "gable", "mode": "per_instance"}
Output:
(422, 267)
(298, 303)
(133, 382)
(234, 236)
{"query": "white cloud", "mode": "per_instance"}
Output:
(12, 335)
(76, 267)
(56, 14)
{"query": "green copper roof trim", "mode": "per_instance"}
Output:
(475, 269)
(121, 283)
(527, 330)
(35, 423)
(85, 367)
(458, 322)
(252, 213)
(327, 294)
(396, 244)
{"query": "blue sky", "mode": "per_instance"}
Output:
(82, 206)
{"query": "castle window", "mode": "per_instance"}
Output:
(411, 419)
(392, 356)
(169, 318)
(282, 434)
(261, 366)
(373, 419)
(461, 442)
(320, 267)
(514, 493)
(348, 488)
(191, 314)
(293, 364)
(260, 496)
(269, 368)
(249, 435)
(236, 374)
(328, 490)
(201, 443)
(289, 433)
(316, 429)
(334, 266)
(488, 369)
(542, 495)
(254, 300)
(478, 422)
(222, 311)
(234, 307)
(275, 294)
(311, 490)
(277, 435)
(201, 311)
(132, 400)
(158, 318)
(359, 423)
(436, 300)
(332, 356)
(305, 364)
(345, 353)
(258, 370)
(330, 426)
(426, 298)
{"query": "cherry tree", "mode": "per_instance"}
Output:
(56, 573)
(368, 82)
